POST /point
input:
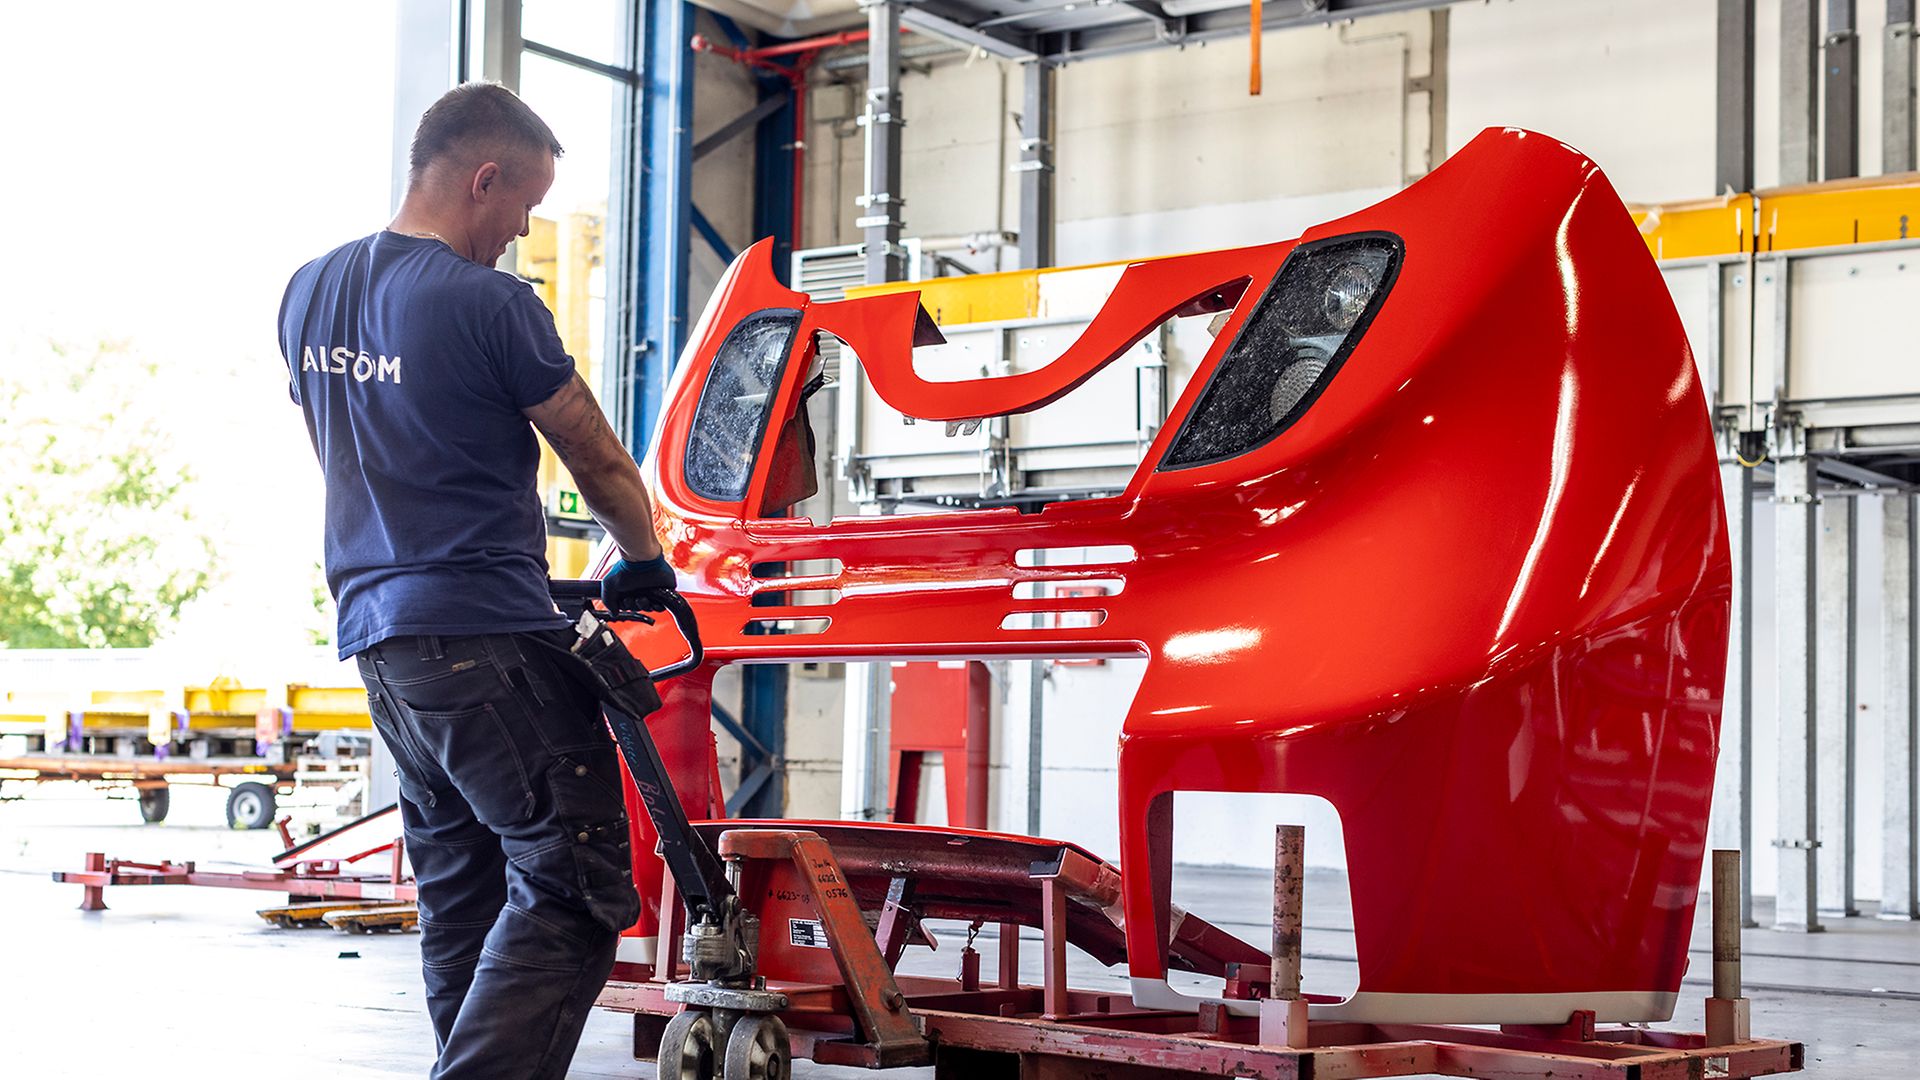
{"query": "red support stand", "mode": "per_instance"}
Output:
(93, 897)
(1054, 1002)
(942, 707)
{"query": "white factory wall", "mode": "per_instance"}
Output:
(1629, 82)
(1165, 151)
(1158, 132)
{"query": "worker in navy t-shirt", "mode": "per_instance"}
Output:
(422, 373)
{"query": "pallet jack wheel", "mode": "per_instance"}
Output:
(250, 806)
(690, 1047)
(758, 1050)
(154, 804)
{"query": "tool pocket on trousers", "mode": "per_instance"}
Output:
(586, 799)
(411, 773)
(475, 749)
(565, 714)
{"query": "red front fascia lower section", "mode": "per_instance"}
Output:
(1476, 597)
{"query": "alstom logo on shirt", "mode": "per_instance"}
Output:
(340, 360)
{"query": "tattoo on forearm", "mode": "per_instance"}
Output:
(577, 427)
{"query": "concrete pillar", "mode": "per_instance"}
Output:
(1834, 702)
(866, 743)
(1036, 165)
(1733, 105)
(1796, 527)
(1731, 824)
(1899, 898)
(1021, 736)
(1799, 91)
(1896, 90)
(496, 42)
(1840, 93)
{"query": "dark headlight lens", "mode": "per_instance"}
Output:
(1290, 347)
(731, 419)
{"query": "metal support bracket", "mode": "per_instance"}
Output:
(709, 996)
(879, 1008)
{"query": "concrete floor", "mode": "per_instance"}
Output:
(178, 982)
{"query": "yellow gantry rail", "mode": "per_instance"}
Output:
(1863, 210)
(1002, 296)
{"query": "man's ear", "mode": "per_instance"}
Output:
(484, 179)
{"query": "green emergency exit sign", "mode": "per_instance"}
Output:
(568, 504)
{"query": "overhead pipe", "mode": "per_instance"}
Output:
(804, 52)
(928, 50)
(812, 44)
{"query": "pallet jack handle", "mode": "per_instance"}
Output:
(695, 867)
(574, 595)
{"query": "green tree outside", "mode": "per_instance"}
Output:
(98, 542)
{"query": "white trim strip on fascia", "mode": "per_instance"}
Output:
(635, 950)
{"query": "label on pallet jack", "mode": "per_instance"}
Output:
(807, 933)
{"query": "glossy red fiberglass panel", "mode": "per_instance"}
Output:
(1475, 597)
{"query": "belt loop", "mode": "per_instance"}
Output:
(379, 677)
(430, 647)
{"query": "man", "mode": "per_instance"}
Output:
(418, 368)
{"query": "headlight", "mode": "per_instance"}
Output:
(731, 419)
(1290, 347)
(1348, 290)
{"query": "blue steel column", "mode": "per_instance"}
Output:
(663, 208)
(774, 144)
(763, 687)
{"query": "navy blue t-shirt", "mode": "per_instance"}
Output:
(412, 366)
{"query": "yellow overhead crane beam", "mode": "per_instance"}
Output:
(1861, 210)
(997, 297)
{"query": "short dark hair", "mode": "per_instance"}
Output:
(484, 115)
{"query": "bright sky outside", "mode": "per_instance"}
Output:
(169, 167)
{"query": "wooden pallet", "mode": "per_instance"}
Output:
(386, 918)
(313, 914)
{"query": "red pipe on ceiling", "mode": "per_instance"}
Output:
(804, 50)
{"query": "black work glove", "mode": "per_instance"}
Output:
(638, 585)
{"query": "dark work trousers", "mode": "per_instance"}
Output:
(510, 798)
